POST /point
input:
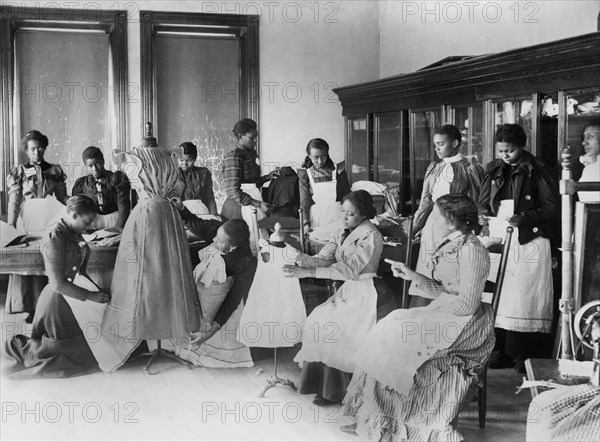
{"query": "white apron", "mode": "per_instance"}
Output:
(248, 214)
(527, 294)
(335, 329)
(326, 212)
(275, 313)
(110, 350)
(406, 338)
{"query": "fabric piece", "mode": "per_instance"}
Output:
(275, 313)
(370, 186)
(153, 290)
(40, 214)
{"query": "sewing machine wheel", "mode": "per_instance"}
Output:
(583, 322)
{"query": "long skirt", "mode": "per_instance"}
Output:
(427, 408)
(57, 347)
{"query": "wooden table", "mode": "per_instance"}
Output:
(549, 370)
(29, 260)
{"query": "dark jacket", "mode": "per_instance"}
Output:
(536, 196)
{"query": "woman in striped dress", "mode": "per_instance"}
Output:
(415, 367)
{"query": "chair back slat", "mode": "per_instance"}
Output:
(302, 237)
(501, 271)
(407, 261)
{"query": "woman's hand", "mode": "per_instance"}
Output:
(264, 207)
(177, 203)
(101, 297)
(401, 270)
(516, 220)
(201, 336)
(294, 271)
(483, 219)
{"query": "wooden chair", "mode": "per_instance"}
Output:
(497, 289)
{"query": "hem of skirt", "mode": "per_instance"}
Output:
(524, 326)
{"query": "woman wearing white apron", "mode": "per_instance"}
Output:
(335, 329)
(242, 180)
(522, 191)
(322, 187)
(415, 367)
(453, 174)
(35, 179)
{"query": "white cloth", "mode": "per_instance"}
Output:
(111, 351)
(197, 207)
(212, 267)
(335, 329)
(275, 313)
(326, 212)
(591, 172)
(248, 215)
(107, 221)
(527, 293)
(39, 214)
(370, 186)
(406, 339)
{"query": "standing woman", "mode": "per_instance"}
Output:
(241, 173)
(34, 179)
(334, 330)
(109, 190)
(522, 190)
(452, 174)
(322, 185)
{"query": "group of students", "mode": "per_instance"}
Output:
(346, 341)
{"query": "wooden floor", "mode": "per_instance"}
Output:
(205, 404)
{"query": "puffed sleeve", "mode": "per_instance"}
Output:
(483, 202)
(476, 173)
(54, 248)
(60, 191)
(123, 193)
(426, 204)
(14, 184)
(369, 245)
(232, 171)
(306, 200)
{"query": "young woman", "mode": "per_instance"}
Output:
(57, 347)
(591, 160)
(34, 179)
(110, 190)
(522, 190)
(241, 173)
(335, 329)
(322, 185)
(452, 174)
(416, 366)
(194, 184)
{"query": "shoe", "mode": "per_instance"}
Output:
(322, 402)
(500, 360)
(350, 429)
(520, 366)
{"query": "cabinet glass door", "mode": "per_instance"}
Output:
(515, 112)
(469, 120)
(422, 127)
(358, 149)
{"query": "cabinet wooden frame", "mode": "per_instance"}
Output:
(244, 27)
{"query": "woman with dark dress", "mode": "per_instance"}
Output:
(57, 347)
(34, 179)
(110, 190)
(335, 329)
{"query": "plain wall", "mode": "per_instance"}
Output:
(415, 34)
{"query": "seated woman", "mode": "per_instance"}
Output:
(34, 179)
(335, 329)
(194, 184)
(322, 186)
(109, 190)
(57, 347)
(415, 367)
(591, 159)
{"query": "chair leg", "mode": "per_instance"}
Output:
(482, 398)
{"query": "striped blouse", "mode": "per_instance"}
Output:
(240, 166)
(459, 266)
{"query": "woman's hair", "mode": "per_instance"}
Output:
(189, 148)
(511, 133)
(34, 135)
(321, 144)
(81, 205)
(92, 153)
(244, 126)
(460, 211)
(238, 231)
(363, 202)
(450, 131)
(593, 123)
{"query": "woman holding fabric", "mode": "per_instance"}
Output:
(414, 368)
(335, 329)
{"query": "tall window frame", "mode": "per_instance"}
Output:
(245, 27)
(12, 19)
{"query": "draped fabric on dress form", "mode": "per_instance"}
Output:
(153, 290)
